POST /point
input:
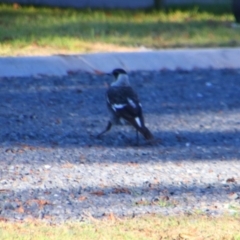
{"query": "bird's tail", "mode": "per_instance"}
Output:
(146, 133)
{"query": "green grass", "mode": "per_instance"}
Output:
(31, 30)
(140, 228)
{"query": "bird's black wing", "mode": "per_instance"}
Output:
(124, 103)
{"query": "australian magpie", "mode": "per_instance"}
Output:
(123, 103)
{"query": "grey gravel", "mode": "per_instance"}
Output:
(54, 168)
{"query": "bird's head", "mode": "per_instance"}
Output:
(121, 77)
(118, 71)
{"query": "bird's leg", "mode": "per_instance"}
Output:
(137, 137)
(106, 129)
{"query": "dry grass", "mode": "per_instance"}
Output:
(33, 50)
(147, 227)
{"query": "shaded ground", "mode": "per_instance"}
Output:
(52, 166)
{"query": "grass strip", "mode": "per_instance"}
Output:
(28, 30)
(139, 228)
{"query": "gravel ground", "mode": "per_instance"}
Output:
(53, 167)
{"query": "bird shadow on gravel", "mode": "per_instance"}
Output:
(192, 114)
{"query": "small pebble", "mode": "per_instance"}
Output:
(208, 84)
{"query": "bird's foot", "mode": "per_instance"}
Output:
(98, 136)
(108, 127)
(154, 141)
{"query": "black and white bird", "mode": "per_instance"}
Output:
(123, 103)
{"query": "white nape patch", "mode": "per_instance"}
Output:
(122, 80)
(140, 104)
(131, 102)
(138, 121)
(117, 106)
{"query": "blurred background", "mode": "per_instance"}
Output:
(46, 27)
(115, 3)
